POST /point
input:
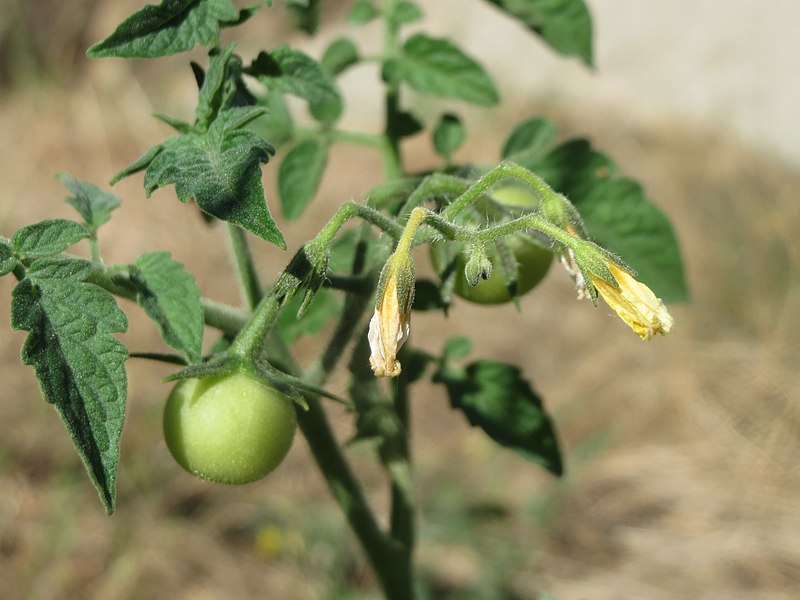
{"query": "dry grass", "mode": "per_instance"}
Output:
(681, 453)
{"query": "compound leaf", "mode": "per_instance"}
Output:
(79, 364)
(495, 397)
(170, 296)
(167, 28)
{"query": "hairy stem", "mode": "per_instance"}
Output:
(243, 261)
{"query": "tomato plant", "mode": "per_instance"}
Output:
(232, 416)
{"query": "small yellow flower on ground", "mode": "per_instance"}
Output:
(635, 303)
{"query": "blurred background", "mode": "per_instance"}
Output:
(682, 479)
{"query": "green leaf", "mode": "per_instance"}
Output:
(327, 112)
(326, 305)
(79, 364)
(529, 141)
(219, 169)
(291, 71)
(178, 125)
(93, 204)
(565, 25)
(457, 347)
(276, 125)
(404, 124)
(7, 259)
(405, 13)
(363, 11)
(495, 397)
(139, 164)
(435, 66)
(217, 88)
(169, 295)
(448, 135)
(306, 14)
(47, 238)
(341, 54)
(300, 174)
(167, 28)
(618, 215)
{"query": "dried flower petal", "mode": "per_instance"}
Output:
(388, 331)
(635, 303)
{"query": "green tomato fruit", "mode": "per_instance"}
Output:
(230, 429)
(533, 261)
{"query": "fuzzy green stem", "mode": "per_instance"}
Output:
(392, 161)
(352, 209)
(505, 170)
(402, 500)
(243, 260)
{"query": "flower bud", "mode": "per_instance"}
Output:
(634, 302)
(478, 266)
(391, 322)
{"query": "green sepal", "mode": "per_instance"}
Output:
(307, 270)
(294, 387)
(214, 367)
(400, 267)
(79, 364)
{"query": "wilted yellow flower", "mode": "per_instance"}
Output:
(635, 303)
(388, 329)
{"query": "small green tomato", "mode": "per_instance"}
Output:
(533, 261)
(230, 429)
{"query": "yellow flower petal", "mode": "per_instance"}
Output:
(388, 331)
(635, 303)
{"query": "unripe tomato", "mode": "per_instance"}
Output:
(533, 261)
(229, 429)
